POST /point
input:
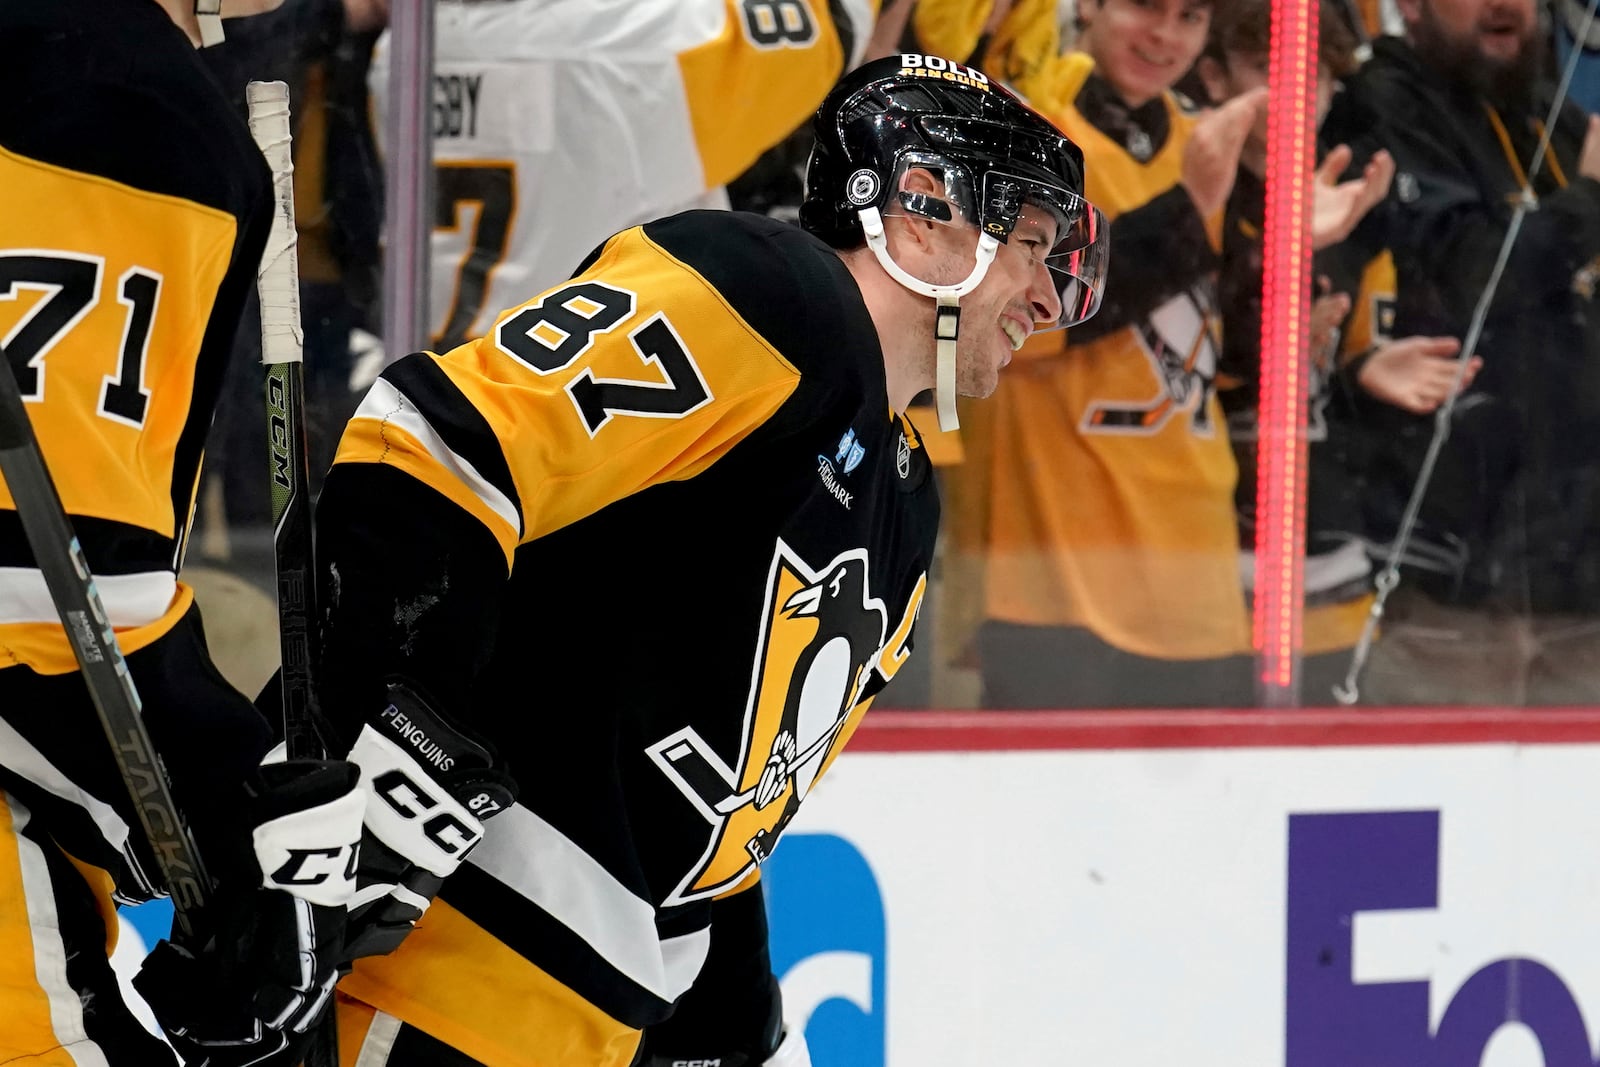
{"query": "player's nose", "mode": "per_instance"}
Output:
(1043, 296)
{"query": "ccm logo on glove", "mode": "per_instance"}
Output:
(409, 801)
(428, 784)
(312, 853)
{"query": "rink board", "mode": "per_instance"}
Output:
(1341, 889)
(1238, 889)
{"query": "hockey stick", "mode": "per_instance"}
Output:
(105, 674)
(282, 341)
(282, 350)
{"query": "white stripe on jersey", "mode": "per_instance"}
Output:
(525, 853)
(684, 956)
(49, 950)
(861, 18)
(19, 756)
(130, 599)
(379, 1042)
(385, 403)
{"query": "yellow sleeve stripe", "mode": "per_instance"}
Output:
(389, 430)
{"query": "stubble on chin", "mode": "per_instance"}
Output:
(1508, 83)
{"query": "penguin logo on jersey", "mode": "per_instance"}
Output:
(1179, 340)
(823, 634)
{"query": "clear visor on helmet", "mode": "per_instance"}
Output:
(1076, 236)
(1063, 230)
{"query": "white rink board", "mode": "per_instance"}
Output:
(1131, 907)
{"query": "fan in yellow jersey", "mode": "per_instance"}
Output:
(1098, 497)
(660, 537)
(1013, 40)
(135, 211)
(558, 123)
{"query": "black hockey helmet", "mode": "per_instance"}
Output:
(998, 153)
(993, 154)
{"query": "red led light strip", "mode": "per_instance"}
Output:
(1285, 324)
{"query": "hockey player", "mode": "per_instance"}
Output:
(660, 537)
(557, 124)
(135, 210)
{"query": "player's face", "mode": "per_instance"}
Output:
(1016, 297)
(1498, 32)
(1142, 47)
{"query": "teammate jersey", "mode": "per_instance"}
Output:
(717, 536)
(136, 207)
(559, 122)
(1110, 476)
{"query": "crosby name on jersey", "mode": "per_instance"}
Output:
(559, 122)
(564, 447)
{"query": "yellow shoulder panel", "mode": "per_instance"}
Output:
(634, 373)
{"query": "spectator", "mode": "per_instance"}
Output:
(556, 124)
(1013, 40)
(1093, 521)
(1508, 608)
(1338, 588)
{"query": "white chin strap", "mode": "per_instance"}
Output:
(209, 14)
(947, 324)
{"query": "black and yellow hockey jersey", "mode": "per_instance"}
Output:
(135, 209)
(659, 537)
(1105, 487)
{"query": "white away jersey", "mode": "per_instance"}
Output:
(558, 122)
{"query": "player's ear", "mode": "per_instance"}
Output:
(919, 183)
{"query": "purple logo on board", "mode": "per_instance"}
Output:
(1341, 864)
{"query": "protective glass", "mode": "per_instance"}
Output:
(1081, 251)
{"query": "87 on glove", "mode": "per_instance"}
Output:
(429, 787)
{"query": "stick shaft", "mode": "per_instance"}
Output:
(116, 700)
(282, 350)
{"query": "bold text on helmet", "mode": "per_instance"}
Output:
(917, 65)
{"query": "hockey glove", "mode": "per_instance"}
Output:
(429, 788)
(251, 993)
